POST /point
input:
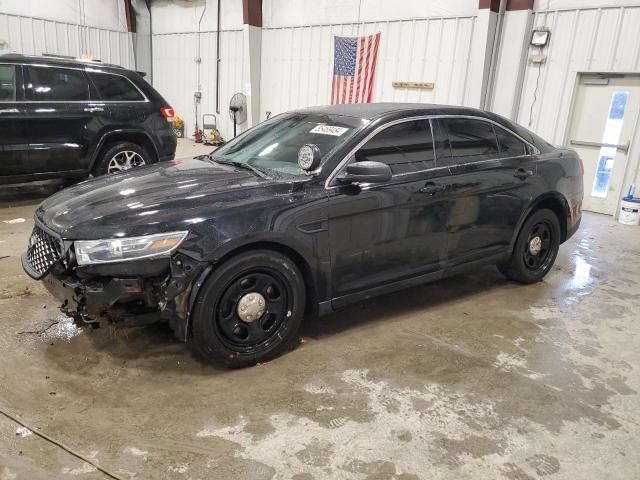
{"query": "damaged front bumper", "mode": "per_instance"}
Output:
(163, 290)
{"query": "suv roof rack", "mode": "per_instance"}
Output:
(60, 58)
(68, 57)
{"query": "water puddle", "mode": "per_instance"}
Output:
(62, 327)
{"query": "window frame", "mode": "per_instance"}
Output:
(17, 74)
(455, 160)
(530, 148)
(390, 125)
(331, 181)
(26, 75)
(533, 150)
(89, 71)
(86, 70)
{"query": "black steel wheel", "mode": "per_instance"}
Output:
(252, 308)
(536, 248)
(249, 310)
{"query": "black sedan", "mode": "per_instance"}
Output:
(305, 213)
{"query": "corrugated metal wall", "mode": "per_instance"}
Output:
(174, 73)
(35, 36)
(297, 61)
(586, 40)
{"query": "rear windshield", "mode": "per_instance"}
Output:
(274, 144)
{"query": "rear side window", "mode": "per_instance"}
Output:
(406, 147)
(471, 140)
(115, 88)
(7, 83)
(510, 146)
(52, 84)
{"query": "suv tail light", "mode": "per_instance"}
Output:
(167, 112)
(581, 166)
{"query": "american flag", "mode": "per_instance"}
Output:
(354, 63)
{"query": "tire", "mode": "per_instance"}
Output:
(121, 156)
(220, 334)
(525, 265)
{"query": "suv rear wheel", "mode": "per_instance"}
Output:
(121, 156)
(249, 310)
(536, 248)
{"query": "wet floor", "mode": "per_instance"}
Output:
(471, 377)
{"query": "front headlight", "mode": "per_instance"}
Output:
(123, 249)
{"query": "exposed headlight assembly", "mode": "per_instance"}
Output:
(90, 252)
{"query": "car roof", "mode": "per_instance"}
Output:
(53, 60)
(372, 111)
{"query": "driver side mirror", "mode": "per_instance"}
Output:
(366, 172)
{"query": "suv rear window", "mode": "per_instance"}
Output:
(7, 83)
(52, 84)
(115, 87)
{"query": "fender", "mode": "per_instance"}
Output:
(554, 196)
(233, 247)
(276, 238)
(118, 131)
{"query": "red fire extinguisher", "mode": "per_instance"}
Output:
(198, 135)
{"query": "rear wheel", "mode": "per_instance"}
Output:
(536, 248)
(249, 310)
(121, 156)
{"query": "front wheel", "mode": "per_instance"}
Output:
(249, 310)
(536, 248)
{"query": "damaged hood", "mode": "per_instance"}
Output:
(162, 197)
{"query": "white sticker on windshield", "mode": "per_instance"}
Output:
(328, 130)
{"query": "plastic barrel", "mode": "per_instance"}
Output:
(630, 212)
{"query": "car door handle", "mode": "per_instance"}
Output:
(431, 188)
(9, 110)
(94, 109)
(522, 174)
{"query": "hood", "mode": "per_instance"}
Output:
(158, 198)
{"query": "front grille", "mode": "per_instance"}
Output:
(44, 251)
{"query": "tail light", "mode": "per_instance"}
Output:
(167, 112)
(581, 166)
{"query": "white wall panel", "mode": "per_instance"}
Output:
(171, 16)
(586, 40)
(515, 38)
(105, 14)
(288, 13)
(35, 36)
(574, 4)
(175, 74)
(297, 62)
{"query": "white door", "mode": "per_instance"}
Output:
(604, 117)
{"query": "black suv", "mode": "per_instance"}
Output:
(64, 118)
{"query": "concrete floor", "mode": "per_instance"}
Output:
(473, 377)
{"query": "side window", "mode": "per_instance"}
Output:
(115, 87)
(471, 140)
(7, 83)
(510, 146)
(406, 147)
(52, 84)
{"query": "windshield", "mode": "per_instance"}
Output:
(274, 144)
